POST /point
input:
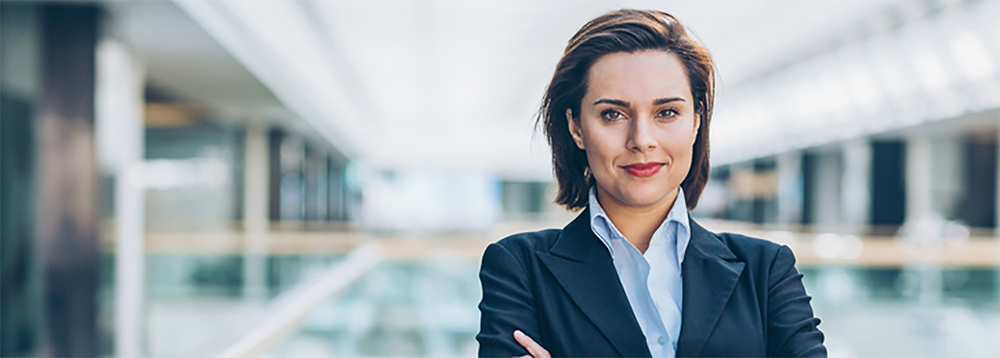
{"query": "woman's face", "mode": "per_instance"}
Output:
(638, 126)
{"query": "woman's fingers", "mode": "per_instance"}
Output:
(533, 348)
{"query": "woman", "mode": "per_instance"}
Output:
(627, 116)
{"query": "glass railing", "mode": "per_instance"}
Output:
(428, 308)
(885, 297)
(424, 308)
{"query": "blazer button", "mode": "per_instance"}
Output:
(662, 340)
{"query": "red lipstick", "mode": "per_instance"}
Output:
(643, 170)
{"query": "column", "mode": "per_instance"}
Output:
(322, 186)
(67, 204)
(255, 212)
(790, 188)
(922, 225)
(337, 191)
(856, 182)
(827, 195)
(947, 175)
(314, 171)
(20, 82)
(121, 141)
(919, 171)
(292, 183)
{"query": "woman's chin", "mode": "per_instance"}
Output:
(644, 195)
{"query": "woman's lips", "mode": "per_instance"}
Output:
(643, 170)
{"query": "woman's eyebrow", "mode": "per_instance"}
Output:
(657, 102)
(616, 102)
(667, 100)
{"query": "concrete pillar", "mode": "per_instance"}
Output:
(919, 171)
(336, 192)
(322, 187)
(923, 224)
(827, 195)
(121, 142)
(315, 183)
(947, 175)
(285, 173)
(67, 207)
(292, 186)
(856, 182)
(255, 188)
(255, 212)
(790, 188)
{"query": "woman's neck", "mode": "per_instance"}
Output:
(636, 223)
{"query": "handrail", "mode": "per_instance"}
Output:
(286, 312)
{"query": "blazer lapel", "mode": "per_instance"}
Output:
(583, 267)
(709, 274)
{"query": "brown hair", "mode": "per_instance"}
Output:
(627, 31)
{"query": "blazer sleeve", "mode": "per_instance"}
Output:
(507, 305)
(792, 329)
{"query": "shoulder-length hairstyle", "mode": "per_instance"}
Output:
(627, 31)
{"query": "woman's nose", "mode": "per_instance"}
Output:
(640, 136)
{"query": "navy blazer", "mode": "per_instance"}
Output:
(742, 297)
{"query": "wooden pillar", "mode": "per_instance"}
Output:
(67, 214)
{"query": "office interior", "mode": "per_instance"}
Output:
(320, 178)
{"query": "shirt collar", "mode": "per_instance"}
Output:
(605, 230)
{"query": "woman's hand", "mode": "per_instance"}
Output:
(534, 349)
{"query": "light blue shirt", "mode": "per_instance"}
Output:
(652, 281)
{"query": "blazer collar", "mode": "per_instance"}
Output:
(583, 267)
(575, 241)
(704, 243)
(709, 275)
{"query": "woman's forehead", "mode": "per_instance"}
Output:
(639, 78)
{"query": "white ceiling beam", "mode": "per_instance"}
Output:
(275, 43)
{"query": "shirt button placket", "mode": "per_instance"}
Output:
(662, 340)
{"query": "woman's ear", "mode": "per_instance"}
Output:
(697, 126)
(574, 129)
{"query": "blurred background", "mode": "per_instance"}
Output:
(320, 178)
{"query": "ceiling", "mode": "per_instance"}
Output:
(471, 74)
(180, 56)
(435, 84)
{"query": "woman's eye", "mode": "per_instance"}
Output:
(611, 115)
(667, 113)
